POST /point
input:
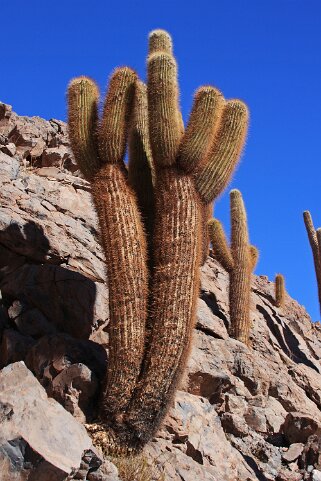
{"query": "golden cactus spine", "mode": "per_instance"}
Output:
(315, 243)
(239, 260)
(279, 290)
(100, 154)
(179, 159)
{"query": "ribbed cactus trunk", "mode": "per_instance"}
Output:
(279, 290)
(100, 156)
(240, 275)
(239, 260)
(316, 249)
(177, 248)
(123, 241)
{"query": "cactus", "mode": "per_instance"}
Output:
(279, 290)
(100, 154)
(182, 172)
(239, 260)
(177, 241)
(315, 243)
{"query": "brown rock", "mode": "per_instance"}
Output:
(297, 427)
(55, 156)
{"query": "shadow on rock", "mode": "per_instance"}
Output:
(64, 297)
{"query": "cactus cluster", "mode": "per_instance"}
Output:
(314, 236)
(152, 217)
(239, 259)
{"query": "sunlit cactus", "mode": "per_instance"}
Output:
(315, 243)
(174, 175)
(239, 260)
(279, 290)
(100, 154)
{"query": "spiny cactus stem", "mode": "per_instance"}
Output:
(315, 247)
(240, 276)
(177, 250)
(279, 290)
(124, 245)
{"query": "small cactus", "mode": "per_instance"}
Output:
(315, 243)
(279, 290)
(239, 260)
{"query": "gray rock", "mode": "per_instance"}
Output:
(41, 422)
(294, 451)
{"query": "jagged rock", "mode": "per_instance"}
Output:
(41, 422)
(298, 427)
(311, 455)
(293, 452)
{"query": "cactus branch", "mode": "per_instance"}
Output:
(225, 151)
(83, 97)
(313, 239)
(221, 249)
(123, 241)
(201, 129)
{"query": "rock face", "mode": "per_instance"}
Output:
(241, 414)
(39, 439)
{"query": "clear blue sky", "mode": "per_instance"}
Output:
(266, 52)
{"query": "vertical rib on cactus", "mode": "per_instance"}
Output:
(239, 260)
(279, 290)
(122, 239)
(141, 172)
(207, 212)
(315, 247)
(83, 96)
(177, 241)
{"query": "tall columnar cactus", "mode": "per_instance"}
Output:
(315, 243)
(174, 175)
(99, 150)
(279, 290)
(239, 260)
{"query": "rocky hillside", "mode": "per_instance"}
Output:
(241, 414)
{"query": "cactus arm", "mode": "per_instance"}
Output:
(221, 249)
(159, 41)
(83, 97)
(141, 171)
(176, 255)
(124, 245)
(201, 128)
(163, 104)
(224, 152)
(254, 257)
(279, 290)
(313, 239)
(114, 125)
(240, 279)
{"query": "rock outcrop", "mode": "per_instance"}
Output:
(241, 414)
